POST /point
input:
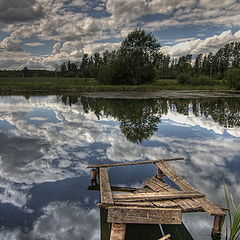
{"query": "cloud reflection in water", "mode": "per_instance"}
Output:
(52, 142)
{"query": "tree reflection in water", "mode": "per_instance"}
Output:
(139, 118)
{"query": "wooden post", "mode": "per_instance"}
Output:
(94, 177)
(159, 174)
(118, 231)
(217, 227)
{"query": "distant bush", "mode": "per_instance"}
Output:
(202, 80)
(233, 78)
(183, 78)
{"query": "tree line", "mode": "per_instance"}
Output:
(140, 61)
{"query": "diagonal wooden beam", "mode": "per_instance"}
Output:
(130, 163)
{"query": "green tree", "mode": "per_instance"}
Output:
(184, 64)
(63, 68)
(137, 54)
(198, 64)
(233, 78)
(84, 66)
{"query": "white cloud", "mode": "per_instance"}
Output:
(196, 46)
(61, 221)
(133, 9)
(77, 32)
(20, 11)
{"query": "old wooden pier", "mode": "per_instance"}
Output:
(155, 203)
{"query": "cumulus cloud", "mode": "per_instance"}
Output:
(20, 11)
(14, 41)
(196, 46)
(67, 221)
(61, 221)
(133, 9)
(75, 30)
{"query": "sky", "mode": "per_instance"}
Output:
(43, 33)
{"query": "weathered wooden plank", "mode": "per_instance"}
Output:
(134, 204)
(173, 175)
(161, 204)
(209, 207)
(165, 204)
(159, 186)
(105, 189)
(155, 184)
(190, 204)
(186, 205)
(144, 215)
(155, 196)
(131, 163)
(118, 231)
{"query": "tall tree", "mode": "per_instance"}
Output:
(137, 55)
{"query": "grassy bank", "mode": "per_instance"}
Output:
(10, 85)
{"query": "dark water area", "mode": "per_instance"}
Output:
(47, 142)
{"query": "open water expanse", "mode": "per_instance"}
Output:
(47, 142)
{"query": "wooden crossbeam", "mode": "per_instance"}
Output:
(130, 163)
(156, 196)
(105, 189)
(144, 215)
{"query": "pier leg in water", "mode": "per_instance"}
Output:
(94, 177)
(118, 231)
(217, 227)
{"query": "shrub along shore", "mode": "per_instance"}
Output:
(48, 84)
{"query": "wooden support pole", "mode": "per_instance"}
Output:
(160, 174)
(118, 231)
(94, 177)
(217, 227)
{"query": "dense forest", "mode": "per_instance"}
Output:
(139, 61)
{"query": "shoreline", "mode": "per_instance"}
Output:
(129, 94)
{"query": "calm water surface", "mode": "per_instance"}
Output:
(46, 144)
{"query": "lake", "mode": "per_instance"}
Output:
(46, 143)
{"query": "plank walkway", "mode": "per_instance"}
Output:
(156, 202)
